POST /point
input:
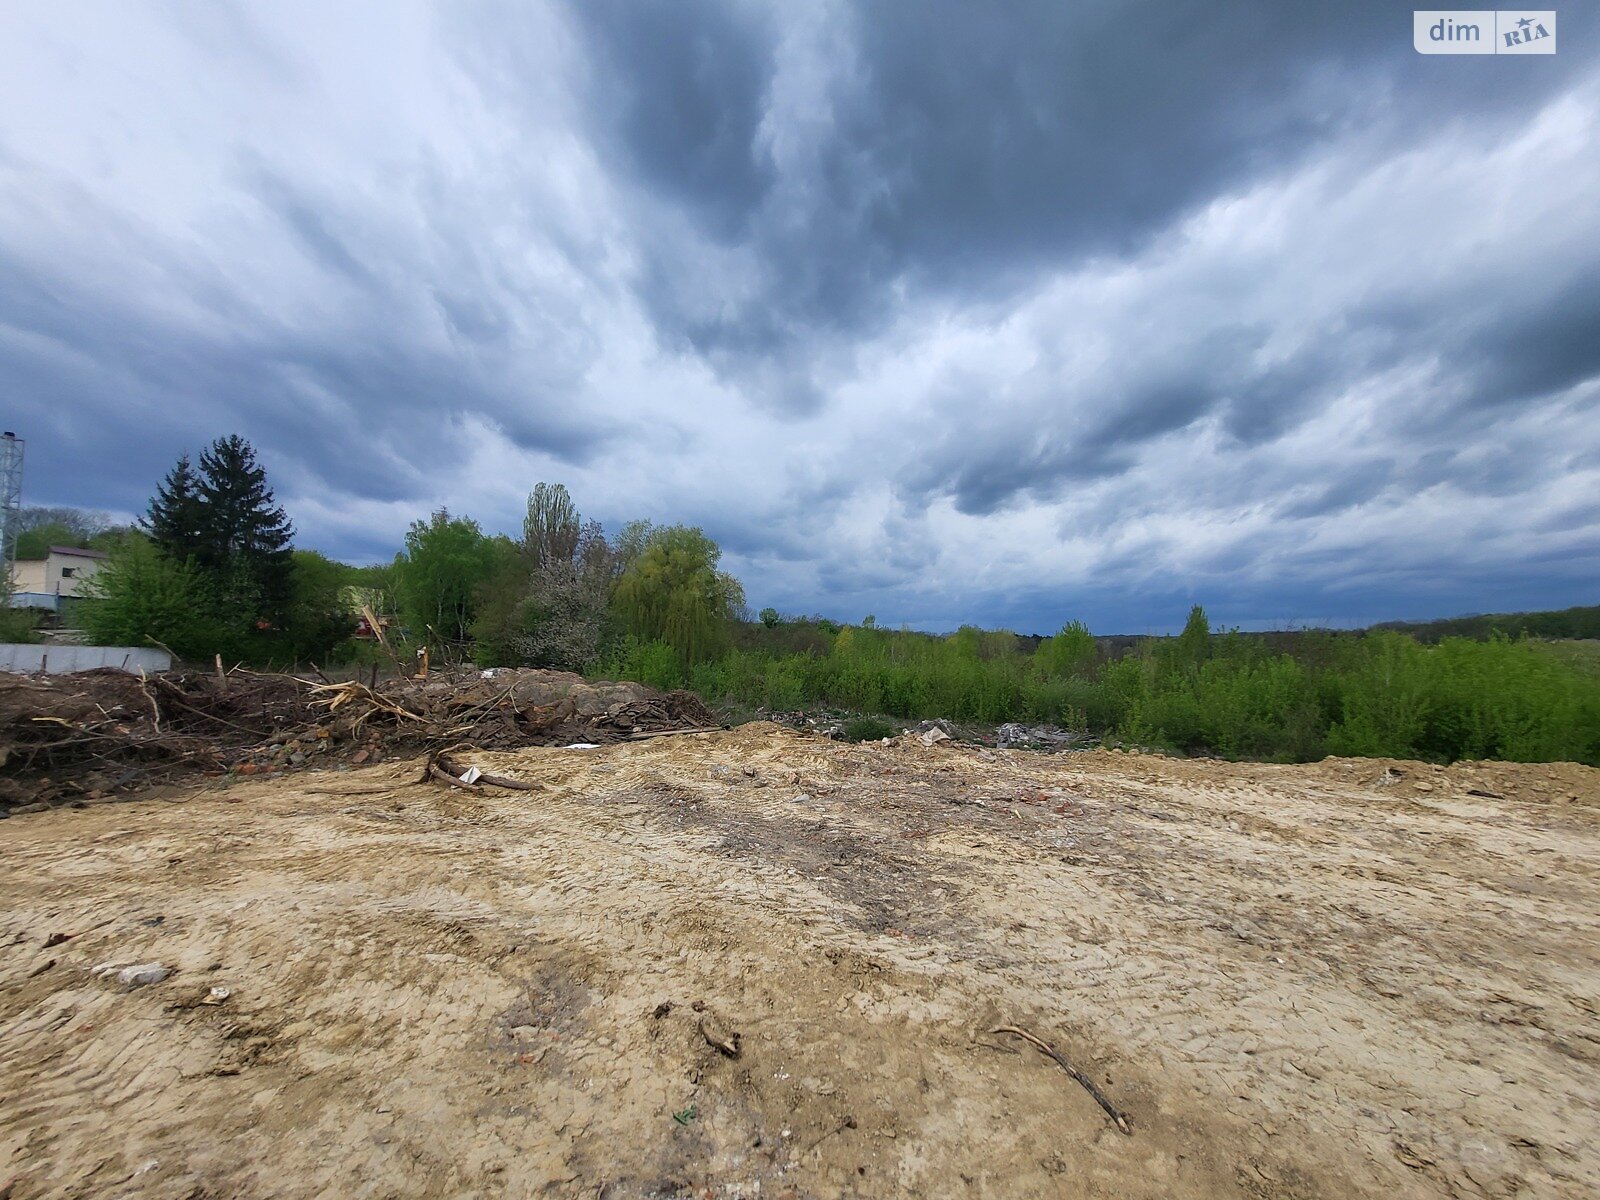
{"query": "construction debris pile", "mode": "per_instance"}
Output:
(84, 738)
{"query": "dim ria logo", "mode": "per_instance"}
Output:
(1439, 31)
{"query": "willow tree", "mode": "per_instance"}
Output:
(672, 592)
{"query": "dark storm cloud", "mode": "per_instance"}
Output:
(942, 310)
(966, 148)
(1358, 485)
(366, 411)
(682, 87)
(1547, 345)
(1067, 430)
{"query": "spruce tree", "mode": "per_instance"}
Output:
(244, 536)
(176, 518)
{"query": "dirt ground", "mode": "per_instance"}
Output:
(1351, 979)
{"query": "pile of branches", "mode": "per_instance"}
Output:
(104, 731)
(85, 737)
(503, 709)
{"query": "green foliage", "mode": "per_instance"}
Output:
(1194, 643)
(1384, 699)
(1567, 623)
(652, 605)
(34, 544)
(866, 729)
(1293, 698)
(1071, 652)
(39, 528)
(1583, 657)
(223, 519)
(18, 625)
(630, 543)
(176, 519)
(437, 578)
(112, 538)
(967, 641)
(552, 615)
(319, 618)
(375, 586)
(1465, 699)
(142, 596)
(244, 535)
(654, 663)
(500, 616)
(551, 528)
(546, 602)
(672, 592)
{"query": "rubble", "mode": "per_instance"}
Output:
(831, 723)
(1016, 736)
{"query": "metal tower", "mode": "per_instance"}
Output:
(10, 502)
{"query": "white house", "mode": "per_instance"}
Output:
(41, 582)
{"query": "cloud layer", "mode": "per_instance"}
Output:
(1090, 311)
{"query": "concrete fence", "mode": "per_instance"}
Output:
(64, 660)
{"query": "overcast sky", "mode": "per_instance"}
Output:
(1086, 310)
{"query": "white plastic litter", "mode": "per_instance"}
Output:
(134, 974)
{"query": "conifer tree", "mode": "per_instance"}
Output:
(176, 518)
(244, 535)
(223, 521)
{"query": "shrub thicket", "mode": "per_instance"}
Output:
(1231, 695)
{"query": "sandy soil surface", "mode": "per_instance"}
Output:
(1322, 981)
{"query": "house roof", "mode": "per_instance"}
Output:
(73, 550)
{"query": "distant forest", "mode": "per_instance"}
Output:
(1581, 623)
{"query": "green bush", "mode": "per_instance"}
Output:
(142, 597)
(867, 729)
(653, 663)
(18, 625)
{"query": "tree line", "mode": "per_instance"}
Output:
(212, 569)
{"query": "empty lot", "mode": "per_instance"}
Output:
(1336, 980)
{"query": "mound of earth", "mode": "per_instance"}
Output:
(757, 964)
